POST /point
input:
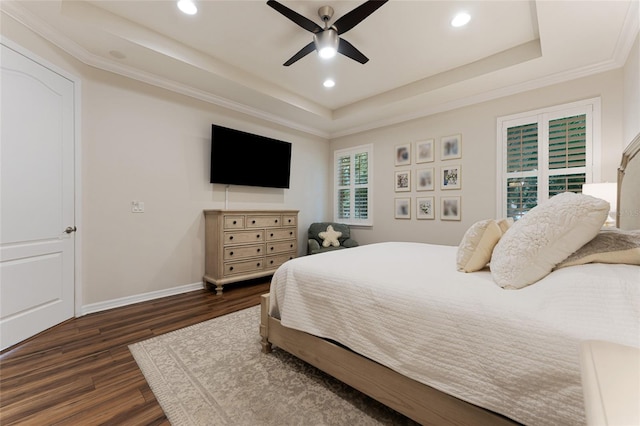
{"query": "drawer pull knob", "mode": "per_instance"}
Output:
(253, 221)
(289, 220)
(235, 222)
(231, 268)
(258, 250)
(231, 237)
(258, 236)
(271, 248)
(271, 262)
(230, 253)
(272, 234)
(291, 233)
(291, 246)
(258, 264)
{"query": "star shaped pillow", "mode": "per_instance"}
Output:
(330, 237)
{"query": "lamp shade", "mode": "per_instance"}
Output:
(605, 191)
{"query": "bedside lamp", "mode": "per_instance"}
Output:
(607, 192)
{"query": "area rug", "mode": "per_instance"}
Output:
(214, 373)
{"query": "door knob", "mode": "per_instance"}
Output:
(70, 229)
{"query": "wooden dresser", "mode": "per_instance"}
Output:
(246, 244)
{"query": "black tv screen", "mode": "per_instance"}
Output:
(241, 158)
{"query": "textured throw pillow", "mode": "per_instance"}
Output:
(330, 237)
(609, 246)
(474, 251)
(505, 224)
(545, 236)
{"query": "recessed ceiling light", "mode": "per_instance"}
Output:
(188, 7)
(460, 19)
(328, 83)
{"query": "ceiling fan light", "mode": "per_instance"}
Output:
(326, 43)
(327, 52)
(188, 7)
(329, 83)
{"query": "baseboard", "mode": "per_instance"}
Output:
(129, 300)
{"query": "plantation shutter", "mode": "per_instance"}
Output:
(343, 179)
(544, 153)
(361, 184)
(353, 186)
(567, 154)
(522, 166)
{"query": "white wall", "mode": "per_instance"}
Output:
(632, 93)
(477, 124)
(143, 143)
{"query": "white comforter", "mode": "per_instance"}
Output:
(515, 352)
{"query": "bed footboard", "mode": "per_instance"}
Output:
(420, 402)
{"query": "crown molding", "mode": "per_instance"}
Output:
(78, 52)
(625, 42)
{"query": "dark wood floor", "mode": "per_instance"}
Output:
(81, 371)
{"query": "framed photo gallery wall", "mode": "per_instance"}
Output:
(424, 166)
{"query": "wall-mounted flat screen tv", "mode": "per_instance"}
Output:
(241, 158)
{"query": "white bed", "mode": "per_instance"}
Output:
(442, 346)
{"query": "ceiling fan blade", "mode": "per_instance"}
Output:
(301, 54)
(305, 23)
(348, 50)
(357, 15)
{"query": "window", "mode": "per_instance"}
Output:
(352, 185)
(543, 153)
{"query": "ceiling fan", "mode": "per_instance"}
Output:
(326, 40)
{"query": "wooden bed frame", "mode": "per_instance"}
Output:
(415, 400)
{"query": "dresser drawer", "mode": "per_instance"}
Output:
(243, 237)
(244, 267)
(233, 222)
(264, 221)
(241, 252)
(289, 220)
(275, 261)
(281, 247)
(280, 234)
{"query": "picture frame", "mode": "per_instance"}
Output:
(403, 154)
(451, 177)
(451, 147)
(425, 208)
(424, 151)
(450, 208)
(403, 181)
(425, 179)
(402, 208)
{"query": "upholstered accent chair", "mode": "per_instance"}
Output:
(319, 232)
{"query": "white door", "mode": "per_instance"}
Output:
(36, 198)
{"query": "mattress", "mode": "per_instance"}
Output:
(515, 352)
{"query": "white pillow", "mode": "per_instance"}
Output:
(545, 236)
(474, 251)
